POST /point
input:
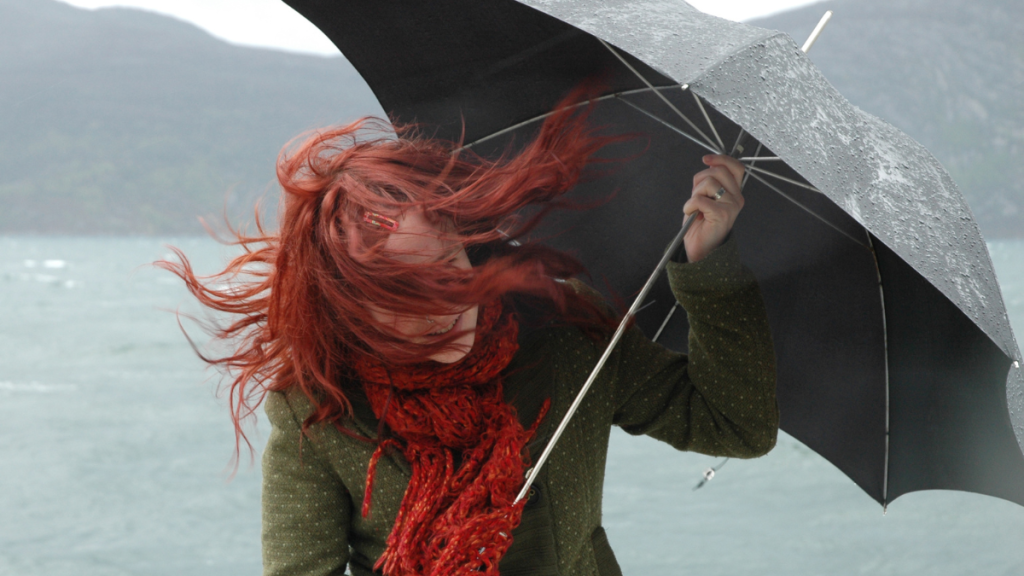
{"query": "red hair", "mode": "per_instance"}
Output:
(300, 295)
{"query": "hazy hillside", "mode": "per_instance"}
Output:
(947, 72)
(119, 121)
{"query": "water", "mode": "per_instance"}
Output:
(112, 447)
(114, 452)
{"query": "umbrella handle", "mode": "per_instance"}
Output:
(673, 246)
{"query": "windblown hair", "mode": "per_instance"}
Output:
(300, 297)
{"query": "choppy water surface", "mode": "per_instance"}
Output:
(114, 451)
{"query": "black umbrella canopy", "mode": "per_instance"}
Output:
(896, 359)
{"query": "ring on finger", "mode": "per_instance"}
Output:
(718, 195)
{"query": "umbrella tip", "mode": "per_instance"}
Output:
(817, 31)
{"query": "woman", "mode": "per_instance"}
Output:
(412, 360)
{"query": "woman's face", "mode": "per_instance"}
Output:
(419, 240)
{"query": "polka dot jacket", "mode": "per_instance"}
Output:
(719, 400)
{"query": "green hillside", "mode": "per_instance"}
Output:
(119, 121)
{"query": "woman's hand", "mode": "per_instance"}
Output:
(716, 211)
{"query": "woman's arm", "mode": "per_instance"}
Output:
(720, 399)
(306, 508)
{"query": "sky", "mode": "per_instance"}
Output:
(272, 24)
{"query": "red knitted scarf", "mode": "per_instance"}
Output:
(456, 517)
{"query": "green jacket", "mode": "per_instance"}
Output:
(720, 400)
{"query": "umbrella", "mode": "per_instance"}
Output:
(896, 361)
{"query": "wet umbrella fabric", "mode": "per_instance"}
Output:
(896, 360)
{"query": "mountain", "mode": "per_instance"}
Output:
(120, 121)
(948, 73)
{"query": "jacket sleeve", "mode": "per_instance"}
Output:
(719, 400)
(306, 508)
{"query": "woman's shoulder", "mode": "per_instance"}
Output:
(587, 291)
(543, 332)
(537, 312)
(289, 407)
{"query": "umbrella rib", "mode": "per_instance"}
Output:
(664, 323)
(746, 173)
(708, 119)
(885, 342)
(783, 178)
(546, 114)
(659, 94)
(737, 146)
(672, 127)
(751, 160)
(805, 208)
